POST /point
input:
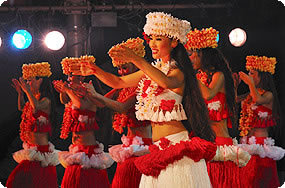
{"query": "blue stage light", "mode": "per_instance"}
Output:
(218, 38)
(22, 39)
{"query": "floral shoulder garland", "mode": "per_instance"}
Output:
(148, 89)
(121, 120)
(27, 121)
(246, 114)
(67, 121)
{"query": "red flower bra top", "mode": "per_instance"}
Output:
(262, 117)
(217, 106)
(76, 120)
(33, 122)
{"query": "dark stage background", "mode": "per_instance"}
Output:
(263, 20)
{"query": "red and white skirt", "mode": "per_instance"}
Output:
(261, 171)
(224, 168)
(176, 161)
(127, 175)
(85, 166)
(36, 167)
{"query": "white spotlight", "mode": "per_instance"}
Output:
(237, 37)
(54, 40)
(0, 41)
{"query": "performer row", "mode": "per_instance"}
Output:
(177, 111)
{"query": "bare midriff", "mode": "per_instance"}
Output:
(144, 132)
(37, 138)
(258, 132)
(83, 138)
(163, 129)
(220, 128)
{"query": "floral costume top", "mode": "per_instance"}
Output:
(156, 103)
(217, 106)
(76, 120)
(33, 122)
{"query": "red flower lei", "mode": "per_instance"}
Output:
(27, 121)
(67, 121)
(203, 77)
(147, 84)
(246, 114)
(121, 120)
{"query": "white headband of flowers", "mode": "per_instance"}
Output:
(160, 23)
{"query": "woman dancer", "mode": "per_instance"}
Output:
(139, 132)
(38, 159)
(85, 162)
(168, 93)
(217, 86)
(260, 111)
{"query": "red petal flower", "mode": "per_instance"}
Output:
(167, 105)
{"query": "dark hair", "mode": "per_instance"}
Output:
(267, 83)
(47, 91)
(193, 103)
(212, 61)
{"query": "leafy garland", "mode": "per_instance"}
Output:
(246, 114)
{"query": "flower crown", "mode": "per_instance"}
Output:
(263, 64)
(135, 44)
(204, 38)
(37, 69)
(66, 63)
(160, 23)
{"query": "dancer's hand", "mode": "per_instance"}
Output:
(87, 68)
(123, 54)
(24, 85)
(90, 88)
(16, 84)
(83, 69)
(60, 86)
(246, 78)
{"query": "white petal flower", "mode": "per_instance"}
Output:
(137, 141)
(253, 107)
(243, 140)
(252, 140)
(269, 142)
(83, 119)
(262, 114)
(42, 120)
(214, 105)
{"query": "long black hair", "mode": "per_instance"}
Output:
(267, 83)
(212, 60)
(193, 103)
(46, 90)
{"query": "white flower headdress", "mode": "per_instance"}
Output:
(160, 23)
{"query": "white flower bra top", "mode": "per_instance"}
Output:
(157, 104)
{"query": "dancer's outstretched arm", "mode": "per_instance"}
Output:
(174, 79)
(114, 105)
(215, 86)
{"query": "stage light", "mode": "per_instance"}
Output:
(218, 38)
(54, 40)
(22, 39)
(237, 37)
(0, 42)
